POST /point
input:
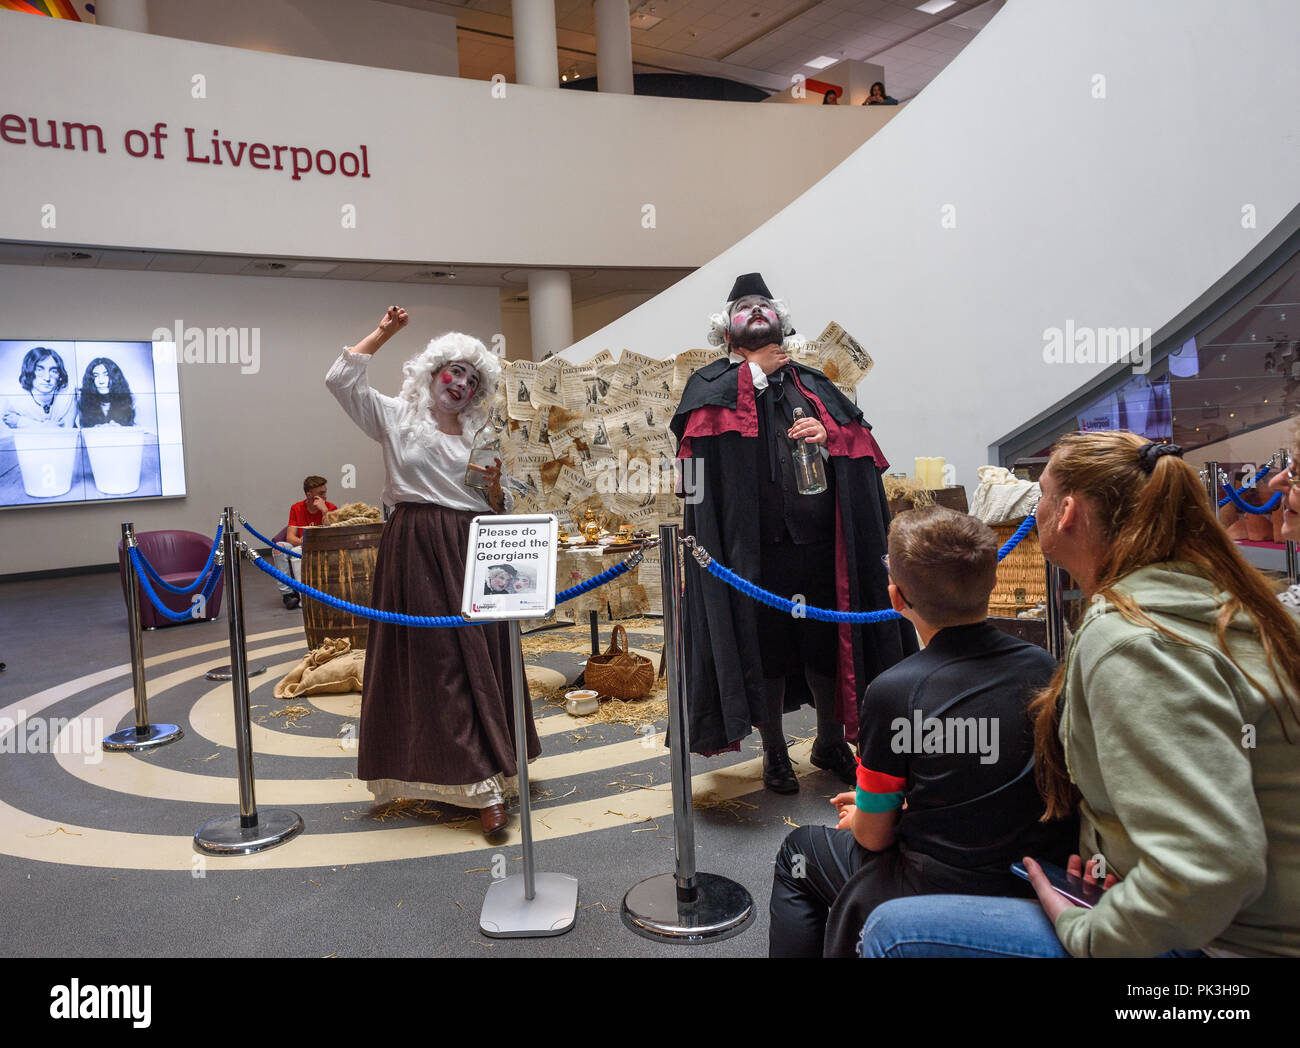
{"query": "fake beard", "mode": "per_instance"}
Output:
(747, 336)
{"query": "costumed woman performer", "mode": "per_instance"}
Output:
(437, 713)
(746, 662)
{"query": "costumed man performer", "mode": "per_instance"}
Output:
(747, 663)
(437, 710)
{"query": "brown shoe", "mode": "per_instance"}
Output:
(493, 818)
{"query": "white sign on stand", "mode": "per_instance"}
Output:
(510, 569)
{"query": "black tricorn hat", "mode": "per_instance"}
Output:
(749, 284)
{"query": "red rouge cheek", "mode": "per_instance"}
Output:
(446, 378)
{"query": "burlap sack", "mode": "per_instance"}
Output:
(330, 669)
(353, 513)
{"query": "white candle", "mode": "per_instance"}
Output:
(929, 472)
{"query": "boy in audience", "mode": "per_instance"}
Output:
(946, 799)
(310, 512)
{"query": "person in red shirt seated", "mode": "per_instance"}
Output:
(310, 512)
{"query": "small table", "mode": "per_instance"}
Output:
(621, 598)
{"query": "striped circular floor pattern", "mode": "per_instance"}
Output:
(34, 823)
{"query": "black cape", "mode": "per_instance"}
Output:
(723, 670)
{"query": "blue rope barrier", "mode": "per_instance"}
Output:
(270, 542)
(176, 616)
(608, 575)
(397, 618)
(1026, 526)
(198, 582)
(788, 606)
(1235, 498)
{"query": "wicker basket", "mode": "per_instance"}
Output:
(1022, 576)
(619, 673)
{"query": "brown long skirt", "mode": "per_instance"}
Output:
(437, 703)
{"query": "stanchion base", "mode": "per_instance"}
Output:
(721, 909)
(154, 735)
(507, 914)
(225, 673)
(226, 835)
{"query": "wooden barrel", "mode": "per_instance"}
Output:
(340, 562)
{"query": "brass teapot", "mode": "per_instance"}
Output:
(592, 525)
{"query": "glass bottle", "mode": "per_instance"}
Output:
(809, 472)
(485, 452)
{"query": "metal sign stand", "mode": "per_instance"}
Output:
(143, 736)
(530, 904)
(684, 906)
(250, 831)
(1055, 612)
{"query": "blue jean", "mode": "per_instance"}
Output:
(959, 926)
(964, 926)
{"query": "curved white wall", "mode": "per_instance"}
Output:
(541, 178)
(1114, 211)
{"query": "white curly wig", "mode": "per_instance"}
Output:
(720, 324)
(417, 389)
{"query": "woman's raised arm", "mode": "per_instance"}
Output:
(347, 379)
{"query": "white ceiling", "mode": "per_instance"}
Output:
(588, 284)
(759, 42)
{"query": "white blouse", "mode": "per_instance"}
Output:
(431, 472)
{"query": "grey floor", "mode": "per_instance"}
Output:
(53, 631)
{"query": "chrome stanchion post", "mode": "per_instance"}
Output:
(1280, 459)
(1055, 611)
(224, 672)
(144, 735)
(683, 906)
(1212, 485)
(249, 831)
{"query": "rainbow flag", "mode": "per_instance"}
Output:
(51, 9)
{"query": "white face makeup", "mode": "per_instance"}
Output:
(753, 322)
(454, 387)
(101, 379)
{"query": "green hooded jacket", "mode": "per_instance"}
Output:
(1191, 789)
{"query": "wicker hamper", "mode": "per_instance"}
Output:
(620, 672)
(1022, 576)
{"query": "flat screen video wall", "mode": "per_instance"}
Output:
(84, 422)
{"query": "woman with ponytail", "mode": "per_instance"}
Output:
(1173, 723)
(1287, 481)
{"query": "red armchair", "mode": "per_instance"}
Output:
(178, 556)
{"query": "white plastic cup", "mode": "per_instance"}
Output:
(115, 453)
(46, 455)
